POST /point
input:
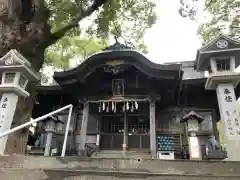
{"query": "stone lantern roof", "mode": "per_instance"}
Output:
(192, 115)
(220, 46)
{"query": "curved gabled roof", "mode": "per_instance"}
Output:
(128, 56)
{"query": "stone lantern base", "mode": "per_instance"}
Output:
(221, 78)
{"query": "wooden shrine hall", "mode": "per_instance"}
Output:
(124, 102)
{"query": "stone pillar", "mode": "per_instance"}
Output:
(222, 52)
(152, 129)
(7, 108)
(194, 147)
(49, 131)
(16, 75)
(231, 124)
(83, 131)
(125, 133)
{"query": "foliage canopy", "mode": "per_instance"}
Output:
(125, 19)
(224, 16)
(219, 16)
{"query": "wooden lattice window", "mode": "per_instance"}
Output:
(223, 64)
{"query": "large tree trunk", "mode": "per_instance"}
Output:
(24, 27)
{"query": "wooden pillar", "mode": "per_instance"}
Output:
(125, 133)
(152, 128)
(83, 131)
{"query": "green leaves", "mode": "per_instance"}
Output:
(220, 16)
(126, 19)
(223, 16)
(62, 11)
(72, 48)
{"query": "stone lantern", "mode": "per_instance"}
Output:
(16, 74)
(50, 128)
(192, 122)
(220, 57)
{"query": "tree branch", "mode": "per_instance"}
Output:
(208, 5)
(74, 22)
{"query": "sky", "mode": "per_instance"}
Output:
(173, 38)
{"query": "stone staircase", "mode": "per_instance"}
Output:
(74, 168)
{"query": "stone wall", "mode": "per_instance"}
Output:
(95, 175)
(70, 168)
(170, 122)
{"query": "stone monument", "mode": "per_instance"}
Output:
(220, 57)
(16, 73)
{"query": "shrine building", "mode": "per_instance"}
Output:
(123, 102)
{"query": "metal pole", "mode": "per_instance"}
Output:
(35, 120)
(66, 132)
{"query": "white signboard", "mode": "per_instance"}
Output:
(7, 109)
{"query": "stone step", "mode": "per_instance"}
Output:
(36, 151)
(93, 174)
(213, 168)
